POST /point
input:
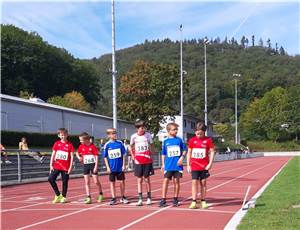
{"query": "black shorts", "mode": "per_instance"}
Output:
(200, 175)
(170, 174)
(89, 169)
(143, 170)
(118, 175)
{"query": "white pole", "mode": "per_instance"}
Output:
(205, 85)
(114, 96)
(181, 84)
(236, 75)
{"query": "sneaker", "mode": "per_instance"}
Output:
(63, 199)
(175, 202)
(56, 199)
(193, 205)
(140, 202)
(162, 203)
(88, 200)
(149, 201)
(1, 162)
(100, 198)
(204, 205)
(8, 162)
(113, 201)
(124, 200)
(42, 159)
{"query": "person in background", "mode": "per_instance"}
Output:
(35, 155)
(129, 158)
(4, 155)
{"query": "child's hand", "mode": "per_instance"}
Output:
(51, 169)
(108, 170)
(189, 169)
(162, 168)
(123, 168)
(208, 167)
(95, 170)
(180, 161)
(69, 171)
(80, 159)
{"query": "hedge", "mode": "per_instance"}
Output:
(10, 138)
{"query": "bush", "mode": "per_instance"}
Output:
(10, 138)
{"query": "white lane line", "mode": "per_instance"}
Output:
(161, 210)
(245, 198)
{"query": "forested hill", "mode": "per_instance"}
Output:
(262, 67)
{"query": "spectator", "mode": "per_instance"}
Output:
(4, 155)
(129, 158)
(35, 155)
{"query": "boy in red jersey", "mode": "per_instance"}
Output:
(61, 162)
(199, 160)
(88, 154)
(141, 148)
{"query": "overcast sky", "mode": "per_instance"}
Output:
(84, 27)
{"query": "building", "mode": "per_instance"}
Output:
(189, 123)
(24, 115)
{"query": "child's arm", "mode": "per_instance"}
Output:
(180, 161)
(107, 165)
(78, 156)
(123, 166)
(163, 162)
(51, 161)
(71, 163)
(96, 164)
(188, 160)
(211, 158)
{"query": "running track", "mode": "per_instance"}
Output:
(29, 206)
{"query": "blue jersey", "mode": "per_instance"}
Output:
(172, 148)
(114, 152)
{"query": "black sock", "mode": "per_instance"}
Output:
(89, 196)
(175, 198)
(113, 198)
(124, 197)
(194, 200)
(202, 199)
(149, 195)
(164, 199)
(101, 193)
(140, 195)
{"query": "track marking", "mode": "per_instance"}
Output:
(161, 210)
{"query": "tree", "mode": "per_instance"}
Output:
(269, 43)
(225, 130)
(149, 92)
(281, 51)
(73, 100)
(292, 109)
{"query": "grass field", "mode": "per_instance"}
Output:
(279, 205)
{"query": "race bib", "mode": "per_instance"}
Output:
(114, 153)
(141, 147)
(89, 159)
(173, 151)
(61, 155)
(198, 153)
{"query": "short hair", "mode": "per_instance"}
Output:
(200, 126)
(62, 130)
(111, 130)
(139, 123)
(172, 124)
(84, 135)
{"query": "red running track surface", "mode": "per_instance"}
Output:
(29, 206)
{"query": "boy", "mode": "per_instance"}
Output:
(88, 154)
(173, 152)
(114, 158)
(141, 147)
(61, 162)
(199, 162)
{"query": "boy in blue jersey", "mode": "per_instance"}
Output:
(114, 158)
(173, 154)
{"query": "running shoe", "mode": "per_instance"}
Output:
(124, 200)
(113, 201)
(175, 202)
(100, 198)
(204, 205)
(140, 202)
(63, 199)
(8, 162)
(149, 201)
(56, 199)
(193, 205)
(88, 200)
(162, 203)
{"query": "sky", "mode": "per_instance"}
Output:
(84, 27)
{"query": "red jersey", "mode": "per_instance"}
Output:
(141, 151)
(62, 158)
(88, 153)
(200, 148)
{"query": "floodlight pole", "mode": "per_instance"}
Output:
(114, 72)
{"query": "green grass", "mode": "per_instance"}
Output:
(272, 146)
(274, 208)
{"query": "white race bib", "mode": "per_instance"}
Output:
(173, 151)
(114, 153)
(198, 153)
(89, 159)
(61, 155)
(141, 147)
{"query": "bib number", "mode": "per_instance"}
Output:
(141, 147)
(61, 155)
(114, 153)
(198, 153)
(173, 151)
(88, 159)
